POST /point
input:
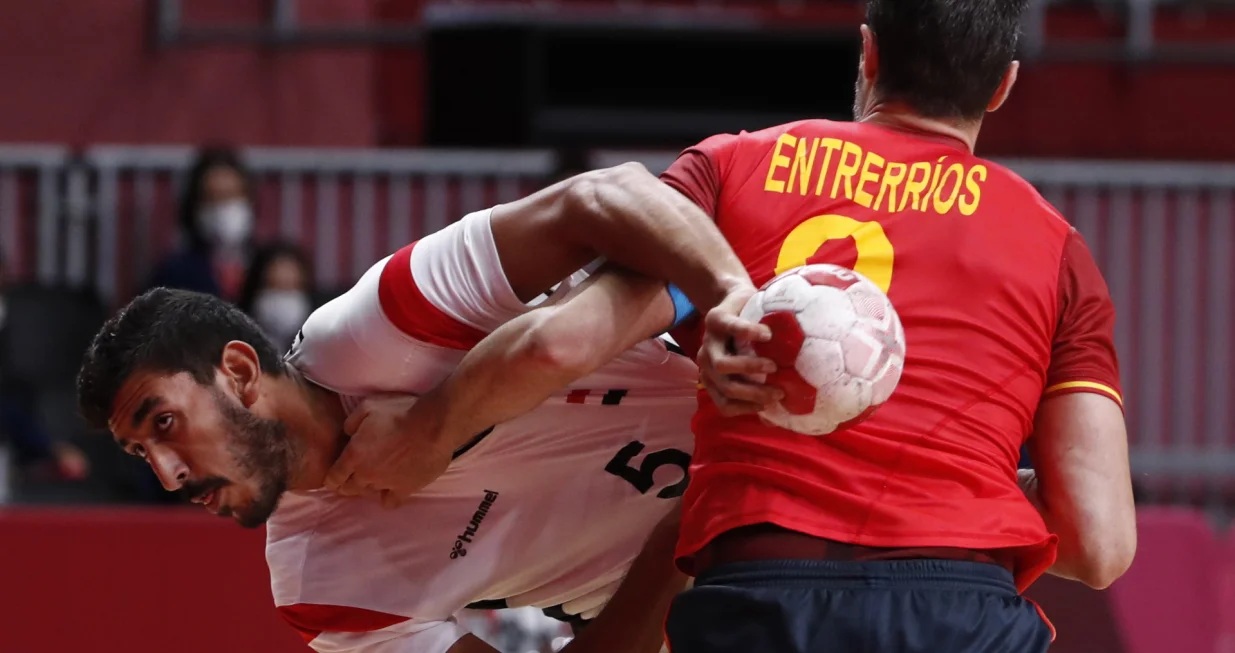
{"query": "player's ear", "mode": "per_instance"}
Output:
(869, 63)
(1005, 87)
(242, 370)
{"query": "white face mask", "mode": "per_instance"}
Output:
(226, 223)
(281, 313)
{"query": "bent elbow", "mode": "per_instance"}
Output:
(585, 193)
(562, 353)
(1110, 562)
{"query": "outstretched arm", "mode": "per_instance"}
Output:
(623, 214)
(530, 358)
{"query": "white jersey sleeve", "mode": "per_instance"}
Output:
(458, 271)
(410, 319)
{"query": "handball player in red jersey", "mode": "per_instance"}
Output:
(910, 531)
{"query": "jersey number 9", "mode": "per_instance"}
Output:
(875, 253)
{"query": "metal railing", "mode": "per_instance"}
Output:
(30, 207)
(347, 207)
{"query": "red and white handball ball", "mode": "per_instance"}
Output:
(838, 344)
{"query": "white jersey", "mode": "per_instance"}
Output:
(547, 510)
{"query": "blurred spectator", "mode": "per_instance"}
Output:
(216, 221)
(31, 446)
(278, 292)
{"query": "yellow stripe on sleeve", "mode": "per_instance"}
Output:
(1086, 385)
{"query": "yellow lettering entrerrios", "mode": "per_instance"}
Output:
(830, 145)
(872, 160)
(928, 186)
(976, 174)
(875, 253)
(850, 158)
(893, 175)
(802, 166)
(778, 161)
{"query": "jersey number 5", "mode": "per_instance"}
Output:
(875, 253)
(641, 477)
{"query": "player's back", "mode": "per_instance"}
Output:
(970, 256)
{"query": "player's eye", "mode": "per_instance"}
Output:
(163, 422)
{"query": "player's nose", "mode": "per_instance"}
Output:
(171, 470)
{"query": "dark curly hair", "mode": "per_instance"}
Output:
(168, 331)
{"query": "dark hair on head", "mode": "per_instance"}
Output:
(263, 258)
(165, 331)
(945, 58)
(209, 158)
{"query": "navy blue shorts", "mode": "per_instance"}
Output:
(812, 606)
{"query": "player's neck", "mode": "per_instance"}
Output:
(314, 417)
(898, 116)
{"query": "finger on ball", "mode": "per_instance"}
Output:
(743, 365)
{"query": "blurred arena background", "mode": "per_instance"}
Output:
(360, 125)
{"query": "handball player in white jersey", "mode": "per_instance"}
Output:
(570, 508)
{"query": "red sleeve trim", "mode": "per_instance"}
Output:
(311, 619)
(412, 313)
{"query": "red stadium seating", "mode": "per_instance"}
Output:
(1174, 581)
(1225, 581)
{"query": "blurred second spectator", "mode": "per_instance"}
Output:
(277, 291)
(22, 434)
(216, 220)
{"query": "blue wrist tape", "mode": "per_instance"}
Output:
(682, 308)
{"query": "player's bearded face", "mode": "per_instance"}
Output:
(259, 457)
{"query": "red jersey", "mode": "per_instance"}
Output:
(1001, 303)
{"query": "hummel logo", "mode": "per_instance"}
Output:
(468, 533)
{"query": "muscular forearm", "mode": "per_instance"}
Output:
(633, 620)
(633, 219)
(527, 360)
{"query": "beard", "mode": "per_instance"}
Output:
(262, 453)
